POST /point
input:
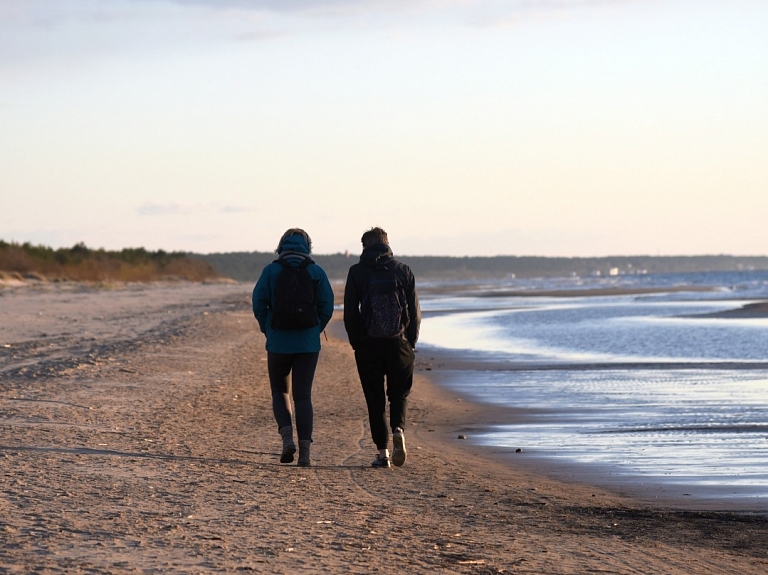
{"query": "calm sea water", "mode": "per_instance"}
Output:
(636, 383)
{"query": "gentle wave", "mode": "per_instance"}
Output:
(648, 385)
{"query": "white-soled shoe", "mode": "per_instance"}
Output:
(398, 453)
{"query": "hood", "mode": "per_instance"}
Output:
(294, 244)
(376, 255)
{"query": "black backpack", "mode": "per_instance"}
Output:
(383, 308)
(294, 305)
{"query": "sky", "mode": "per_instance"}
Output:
(571, 128)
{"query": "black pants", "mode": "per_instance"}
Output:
(376, 360)
(301, 369)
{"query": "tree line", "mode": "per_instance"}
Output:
(81, 263)
(246, 266)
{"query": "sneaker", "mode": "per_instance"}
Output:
(398, 453)
(380, 462)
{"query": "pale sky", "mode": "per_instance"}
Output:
(462, 127)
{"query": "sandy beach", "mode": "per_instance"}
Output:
(137, 436)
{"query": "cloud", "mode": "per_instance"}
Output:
(156, 209)
(50, 13)
(360, 7)
(306, 6)
(182, 209)
(236, 209)
(45, 30)
(391, 5)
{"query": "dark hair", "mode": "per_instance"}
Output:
(374, 236)
(294, 232)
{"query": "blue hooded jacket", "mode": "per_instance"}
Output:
(293, 249)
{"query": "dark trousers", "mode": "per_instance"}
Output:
(292, 374)
(377, 360)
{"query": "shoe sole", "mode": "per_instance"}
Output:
(377, 465)
(287, 456)
(398, 453)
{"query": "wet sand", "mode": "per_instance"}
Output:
(150, 447)
(747, 311)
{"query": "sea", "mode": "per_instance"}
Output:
(647, 389)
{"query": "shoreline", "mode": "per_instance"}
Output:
(702, 493)
(483, 417)
(756, 310)
(153, 449)
(432, 365)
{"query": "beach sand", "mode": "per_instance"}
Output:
(155, 451)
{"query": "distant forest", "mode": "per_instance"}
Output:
(81, 263)
(247, 266)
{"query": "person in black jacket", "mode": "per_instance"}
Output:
(382, 318)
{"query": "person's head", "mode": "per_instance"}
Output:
(374, 236)
(294, 232)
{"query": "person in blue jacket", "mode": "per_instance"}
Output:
(292, 354)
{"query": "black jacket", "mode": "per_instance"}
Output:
(357, 287)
